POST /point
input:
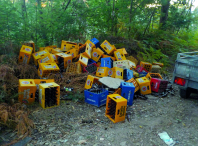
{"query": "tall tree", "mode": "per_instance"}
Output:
(164, 13)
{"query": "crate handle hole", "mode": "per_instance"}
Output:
(121, 73)
(31, 82)
(118, 112)
(148, 87)
(31, 96)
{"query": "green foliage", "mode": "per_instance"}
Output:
(75, 96)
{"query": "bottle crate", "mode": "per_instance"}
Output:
(103, 71)
(39, 55)
(55, 58)
(74, 68)
(155, 69)
(128, 74)
(132, 65)
(158, 85)
(41, 81)
(116, 108)
(49, 49)
(26, 90)
(96, 54)
(63, 59)
(124, 64)
(90, 61)
(119, 55)
(25, 54)
(49, 95)
(142, 74)
(66, 46)
(83, 60)
(136, 85)
(123, 50)
(92, 68)
(88, 51)
(148, 76)
(90, 81)
(95, 42)
(108, 48)
(73, 53)
(145, 86)
(146, 65)
(106, 62)
(117, 73)
(30, 44)
(106, 56)
(46, 68)
(155, 75)
(132, 59)
(96, 97)
(128, 90)
(158, 63)
(57, 50)
(140, 69)
(90, 44)
(47, 58)
(81, 49)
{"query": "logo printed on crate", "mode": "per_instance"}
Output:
(85, 59)
(144, 88)
(119, 56)
(69, 61)
(41, 53)
(40, 72)
(118, 73)
(122, 111)
(91, 100)
(129, 95)
(89, 50)
(26, 94)
(88, 82)
(36, 54)
(72, 54)
(45, 59)
(141, 80)
(54, 66)
(90, 45)
(118, 97)
(101, 70)
(64, 48)
(25, 82)
(54, 57)
(107, 45)
(156, 85)
(95, 54)
(48, 66)
(110, 72)
(27, 49)
(103, 100)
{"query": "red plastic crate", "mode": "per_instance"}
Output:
(140, 69)
(85, 69)
(158, 85)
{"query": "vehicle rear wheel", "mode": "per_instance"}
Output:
(185, 93)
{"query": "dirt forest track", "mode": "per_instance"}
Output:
(83, 124)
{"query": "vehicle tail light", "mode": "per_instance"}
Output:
(180, 81)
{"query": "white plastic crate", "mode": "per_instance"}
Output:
(124, 64)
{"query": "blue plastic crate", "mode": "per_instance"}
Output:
(96, 42)
(127, 92)
(128, 74)
(106, 62)
(90, 61)
(97, 99)
(142, 74)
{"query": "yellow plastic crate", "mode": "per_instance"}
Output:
(57, 50)
(146, 65)
(117, 73)
(66, 58)
(103, 71)
(132, 59)
(119, 55)
(83, 60)
(73, 52)
(155, 75)
(158, 63)
(74, 68)
(132, 80)
(66, 46)
(25, 54)
(55, 58)
(145, 86)
(49, 95)
(90, 81)
(132, 65)
(148, 76)
(96, 54)
(46, 68)
(31, 44)
(47, 58)
(116, 108)
(38, 55)
(27, 90)
(123, 50)
(88, 51)
(90, 44)
(106, 56)
(41, 81)
(108, 47)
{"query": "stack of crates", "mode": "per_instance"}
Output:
(97, 97)
(116, 108)
(25, 54)
(39, 55)
(128, 90)
(27, 89)
(49, 95)
(146, 65)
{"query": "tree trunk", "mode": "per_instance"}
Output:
(164, 14)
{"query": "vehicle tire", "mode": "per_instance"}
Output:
(185, 93)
